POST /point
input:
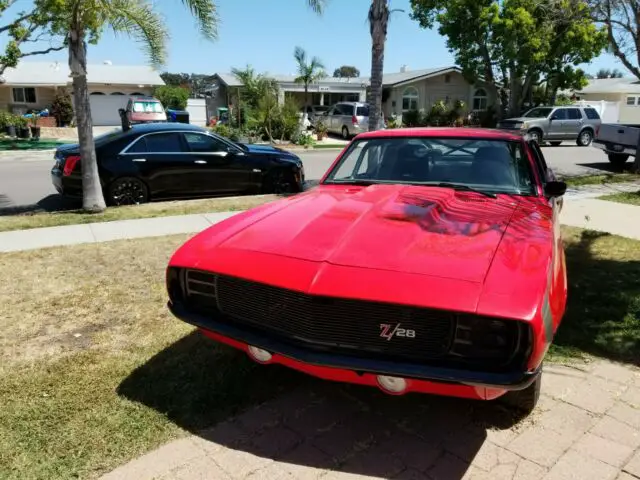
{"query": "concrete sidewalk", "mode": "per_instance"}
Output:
(580, 210)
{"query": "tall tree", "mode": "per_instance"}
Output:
(621, 19)
(309, 71)
(27, 27)
(609, 73)
(346, 71)
(514, 45)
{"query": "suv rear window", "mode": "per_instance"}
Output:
(592, 114)
(147, 107)
(362, 111)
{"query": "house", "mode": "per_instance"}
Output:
(620, 96)
(402, 91)
(33, 85)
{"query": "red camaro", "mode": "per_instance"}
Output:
(427, 260)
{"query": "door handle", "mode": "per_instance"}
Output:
(138, 159)
(219, 154)
(200, 161)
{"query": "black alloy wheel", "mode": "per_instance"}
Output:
(127, 191)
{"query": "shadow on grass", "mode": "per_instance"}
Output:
(603, 310)
(50, 203)
(198, 383)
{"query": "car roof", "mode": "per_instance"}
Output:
(163, 127)
(451, 132)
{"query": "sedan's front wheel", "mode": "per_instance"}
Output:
(525, 400)
(280, 182)
(127, 191)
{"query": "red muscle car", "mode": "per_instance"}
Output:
(427, 260)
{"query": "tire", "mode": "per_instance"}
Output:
(555, 144)
(585, 138)
(127, 191)
(280, 182)
(524, 401)
(345, 133)
(536, 136)
(618, 159)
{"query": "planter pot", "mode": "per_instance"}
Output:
(35, 132)
(10, 130)
(23, 132)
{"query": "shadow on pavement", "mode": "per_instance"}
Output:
(50, 203)
(607, 167)
(197, 384)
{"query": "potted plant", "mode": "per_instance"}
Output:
(321, 130)
(22, 124)
(10, 124)
(35, 128)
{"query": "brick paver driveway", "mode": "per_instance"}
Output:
(587, 426)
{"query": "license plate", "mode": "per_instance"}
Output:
(618, 148)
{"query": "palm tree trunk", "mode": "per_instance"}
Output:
(378, 20)
(92, 198)
(306, 94)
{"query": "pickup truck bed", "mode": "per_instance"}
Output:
(619, 141)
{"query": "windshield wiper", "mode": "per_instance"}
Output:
(466, 188)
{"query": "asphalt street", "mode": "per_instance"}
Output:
(25, 183)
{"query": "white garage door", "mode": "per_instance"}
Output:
(104, 109)
(197, 108)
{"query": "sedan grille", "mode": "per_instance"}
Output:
(324, 322)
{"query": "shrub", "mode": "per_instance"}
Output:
(412, 118)
(174, 98)
(62, 109)
(222, 129)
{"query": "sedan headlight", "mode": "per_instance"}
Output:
(524, 126)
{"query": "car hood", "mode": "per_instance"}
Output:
(420, 230)
(522, 119)
(253, 148)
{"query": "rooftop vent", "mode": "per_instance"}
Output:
(108, 62)
(404, 69)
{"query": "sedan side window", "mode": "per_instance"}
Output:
(138, 146)
(199, 143)
(164, 143)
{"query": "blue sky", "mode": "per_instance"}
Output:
(263, 33)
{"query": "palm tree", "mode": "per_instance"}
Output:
(82, 21)
(308, 72)
(379, 13)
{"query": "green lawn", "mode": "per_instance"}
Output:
(601, 179)
(27, 144)
(94, 370)
(632, 198)
(147, 210)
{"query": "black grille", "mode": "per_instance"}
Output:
(323, 322)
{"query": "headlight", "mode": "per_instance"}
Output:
(524, 126)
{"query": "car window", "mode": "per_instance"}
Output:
(346, 109)
(147, 107)
(592, 114)
(139, 146)
(560, 114)
(163, 143)
(539, 112)
(362, 111)
(574, 114)
(204, 143)
(498, 166)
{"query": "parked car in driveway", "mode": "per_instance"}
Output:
(555, 124)
(314, 112)
(174, 160)
(619, 141)
(347, 119)
(142, 109)
(427, 260)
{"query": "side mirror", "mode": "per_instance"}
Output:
(555, 189)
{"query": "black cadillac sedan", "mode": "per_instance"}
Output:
(174, 160)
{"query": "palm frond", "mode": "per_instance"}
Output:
(206, 14)
(138, 19)
(300, 56)
(317, 5)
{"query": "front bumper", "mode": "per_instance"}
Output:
(427, 379)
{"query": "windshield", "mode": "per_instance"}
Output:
(148, 107)
(496, 166)
(538, 113)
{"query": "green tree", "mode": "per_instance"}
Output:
(176, 79)
(514, 45)
(609, 73)
(309, 71)
(346, 71)
(25, 28)
(172, 97)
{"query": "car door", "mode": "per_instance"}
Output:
(162, 161)
(573, 124)
(329, 117)
(222, 166)
(556, 127)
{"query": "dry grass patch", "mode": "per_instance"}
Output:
(147, 210)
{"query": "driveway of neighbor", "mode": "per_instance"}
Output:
(587, 427)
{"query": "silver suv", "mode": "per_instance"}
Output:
(555, 124)
(347, 118)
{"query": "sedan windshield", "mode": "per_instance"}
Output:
(487, 166)
(538, 113)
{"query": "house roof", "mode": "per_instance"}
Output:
(612, 85)
(388, 79)
(57, 73)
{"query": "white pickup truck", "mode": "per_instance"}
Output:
(619, 141)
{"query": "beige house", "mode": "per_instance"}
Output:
(402, 91)
(33, 85)
(620, 94)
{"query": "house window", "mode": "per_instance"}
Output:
(480, 99)
(410, 99)
(96, 93)
(117, 93)
(631, 101)
(24, 95)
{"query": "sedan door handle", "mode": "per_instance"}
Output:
(200, 161)
(138, 159)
